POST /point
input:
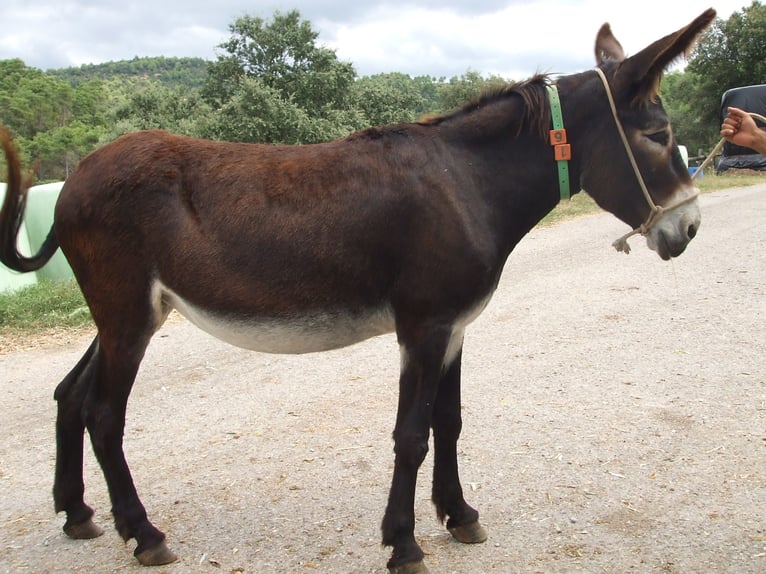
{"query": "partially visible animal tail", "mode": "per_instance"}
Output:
(12, 216)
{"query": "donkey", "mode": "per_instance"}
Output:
(293, 249)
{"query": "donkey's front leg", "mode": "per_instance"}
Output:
(447, 494)
(422, 360)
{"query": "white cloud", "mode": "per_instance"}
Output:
(514, 39)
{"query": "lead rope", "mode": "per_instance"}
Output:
(657, 211)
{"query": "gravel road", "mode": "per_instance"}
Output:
(615, 421)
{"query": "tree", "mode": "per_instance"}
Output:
(54, 125)
(388, 98)
(730, 54)
(255, 112)
(689, 126)
(31, 100)
(278, 66)
(155, 106)
(89, 103)
(460, 90)
(56, 152)
(733, 52)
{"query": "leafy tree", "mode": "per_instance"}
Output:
(155, 106)
(388, 98)
(31, 100)
(56, 152)
(277, 68)
(255, 112)
(89, 103)
(461, 89)
(54, 124)
(11, 74)
(688, 125)
(733, 52)
(428, 87)
(730, 54)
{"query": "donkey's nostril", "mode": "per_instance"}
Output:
(691, 231)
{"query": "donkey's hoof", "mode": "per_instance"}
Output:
(418, 567)
(157, 556)
(472, 533)
(83, 531)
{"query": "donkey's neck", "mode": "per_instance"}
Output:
(514, 172)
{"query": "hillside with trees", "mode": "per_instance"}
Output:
(272, 82)
(189, 73)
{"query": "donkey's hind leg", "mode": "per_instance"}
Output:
(121, 348)
(68, 486)
(447, 493)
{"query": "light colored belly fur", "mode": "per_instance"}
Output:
(304, 333)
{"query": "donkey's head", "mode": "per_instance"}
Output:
(652, 190)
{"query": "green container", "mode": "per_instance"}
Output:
(38, 219)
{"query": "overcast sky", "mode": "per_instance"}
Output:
(511, 38)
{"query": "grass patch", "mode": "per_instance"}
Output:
(579, 205)
(712, 182)
(45, 305)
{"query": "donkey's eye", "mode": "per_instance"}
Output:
(660, 137)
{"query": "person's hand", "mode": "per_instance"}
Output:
(740, 128)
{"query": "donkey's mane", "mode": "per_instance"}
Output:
(536, 112)
(535, 116)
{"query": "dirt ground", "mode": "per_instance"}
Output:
(615, 421)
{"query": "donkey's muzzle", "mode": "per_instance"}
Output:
(674, 230)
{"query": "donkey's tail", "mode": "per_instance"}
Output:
(12, 216)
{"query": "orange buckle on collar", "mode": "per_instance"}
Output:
(561, 149)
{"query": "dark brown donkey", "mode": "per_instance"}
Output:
(401, 228)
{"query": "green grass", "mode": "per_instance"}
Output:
(57, 305)
(42, 306)
(579, 205)
(711, 182)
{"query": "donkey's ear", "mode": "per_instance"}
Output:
(607, 46)
(639, 76)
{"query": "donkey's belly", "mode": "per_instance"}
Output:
(300, 333)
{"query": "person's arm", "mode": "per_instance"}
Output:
(740, 128)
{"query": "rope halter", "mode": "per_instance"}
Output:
(657, 211)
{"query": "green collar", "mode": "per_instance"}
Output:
(558, 139)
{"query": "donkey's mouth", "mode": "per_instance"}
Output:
(674, 230)
(666, 247)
